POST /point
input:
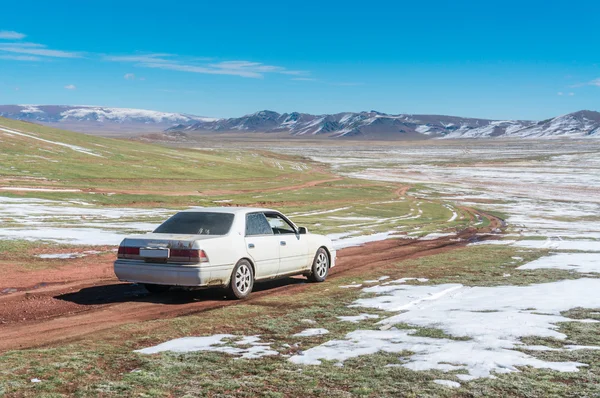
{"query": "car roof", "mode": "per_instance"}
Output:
(231, 210)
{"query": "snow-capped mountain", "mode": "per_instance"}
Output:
(578, 124)
(96, 118)
(366, 125)
(377, 125)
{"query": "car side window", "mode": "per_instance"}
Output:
(279, 225)
(257, 224)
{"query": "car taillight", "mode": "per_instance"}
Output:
(128, 252)
(189, 255)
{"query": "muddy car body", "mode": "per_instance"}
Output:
(227, 247)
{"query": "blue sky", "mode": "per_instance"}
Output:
(509, 59)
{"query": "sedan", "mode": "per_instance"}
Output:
(226, 247)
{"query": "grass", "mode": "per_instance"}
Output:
(11, 247)
(106, 365)
(23, 254)
(134, 174)
(132, 166)
(485, 265)
(176, 178)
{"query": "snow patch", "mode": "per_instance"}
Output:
(73, 147)
(311, 332)
(580, 262)
(357, 318)
(57, 221)
(28, 189)
(360, 240)
(436, 235)
(215, 343)
(354, 285)
(447, 383)
(494, 319)
(60, 256)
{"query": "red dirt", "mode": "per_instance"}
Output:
(69, 302)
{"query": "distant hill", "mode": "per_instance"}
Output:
(95, 119)
(377, 125)
(354, 125)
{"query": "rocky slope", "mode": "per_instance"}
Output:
(378, 125)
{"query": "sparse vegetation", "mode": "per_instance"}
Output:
(107, 366)
(104, 364)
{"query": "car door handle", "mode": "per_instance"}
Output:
(250, 245)
(282, 243)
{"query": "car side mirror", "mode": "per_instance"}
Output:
(302, 230)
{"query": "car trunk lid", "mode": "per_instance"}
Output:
(161, 248)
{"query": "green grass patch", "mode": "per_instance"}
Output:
(483, 265)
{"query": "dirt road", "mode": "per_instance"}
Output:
(67, 303)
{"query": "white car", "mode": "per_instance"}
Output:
(228, 247)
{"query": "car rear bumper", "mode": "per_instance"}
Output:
(172, 274)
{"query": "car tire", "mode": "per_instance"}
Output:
(156, 289)
(241, 281)
(320, 266)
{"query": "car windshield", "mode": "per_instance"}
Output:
(197, 223)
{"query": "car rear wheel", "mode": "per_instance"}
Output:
(242, 280)
(156, 288)
(320, 267)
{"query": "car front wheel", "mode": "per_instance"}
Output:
(320, 267)
(242, 280)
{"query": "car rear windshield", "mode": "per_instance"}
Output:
(197, 223)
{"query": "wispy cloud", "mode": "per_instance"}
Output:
(304, 79)
(17, 50)
(571, 94)
(139, 58)
(247, 69)
(71, 87)
(36, 49)
(560, 93)
(595, 82)
(11, 35)
(20, 57)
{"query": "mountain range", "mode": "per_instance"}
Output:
(97, 119)
(377, 125)
(358, 125)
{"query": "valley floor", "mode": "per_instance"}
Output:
(476, 277)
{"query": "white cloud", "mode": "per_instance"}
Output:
(595, 82)
(571, 94)
(129, 76)
(20, 57)
(560, 93)
(203, 69)
(304, 79)
(11, 35)
(157, 57)
(71, 87)
(36, 49)
(248, 69)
